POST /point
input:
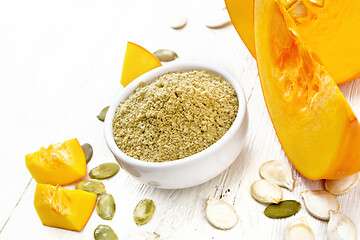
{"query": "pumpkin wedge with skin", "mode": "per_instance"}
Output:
(313, 121)
(63, 208)
(329, 27)
(241, 13)
(61, 163)
(137, 61)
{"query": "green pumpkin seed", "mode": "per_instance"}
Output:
(144, 211)
(102, 114)
(106, 207)
(88, 151)
(91, 185)
(283, 209)
(104, 171)
(104, 232)
(165, 55)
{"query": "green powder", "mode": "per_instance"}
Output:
(177, 115)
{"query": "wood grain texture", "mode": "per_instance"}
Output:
(60, 64)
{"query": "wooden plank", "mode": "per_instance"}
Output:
(71, 69)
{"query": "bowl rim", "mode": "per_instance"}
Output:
(151, 76)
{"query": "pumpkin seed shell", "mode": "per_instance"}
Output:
(343, 185)
(319, 203)
(340, 227)
(283, 209)
(178, 20)
(104, 232)
(144, 211)
(105, 170)
(88, 151)
(299, 230)
(102, 114)
(220, 214)
(106, 207)
(265, 191)
(218, 19)
(91, 185)
(165, 55)
(278, 172)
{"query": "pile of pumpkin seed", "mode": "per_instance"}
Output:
(275, 174)
(105, 207)
(319, 203)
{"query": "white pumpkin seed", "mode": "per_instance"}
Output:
(143, 211)
(265, 191)
(106, 207)
(104, 232)
(278, 172)
(218, 19)
(340, 227)
(88, 151)
(91, 185)
(343, 185)
(220, 214)
(178, 20)
(319, 203)
(105, 170)
(165, 55)
(299, 230)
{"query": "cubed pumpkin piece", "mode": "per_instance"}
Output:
(63, 208)
(61, 163)
(137, 61)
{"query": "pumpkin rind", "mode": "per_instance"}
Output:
(314, 123)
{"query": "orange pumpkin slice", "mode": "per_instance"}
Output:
(313, 121)
(61, 163)
(63, 208)
(137, 61)
(241, 13)
(329, 27)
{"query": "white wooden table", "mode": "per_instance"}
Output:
(60, 64)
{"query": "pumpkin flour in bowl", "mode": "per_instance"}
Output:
(177, 115)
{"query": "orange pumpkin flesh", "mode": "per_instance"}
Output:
(313, 121)
(61, 163)
(63, 208)
(137, 61)
(242, 17)
(329, 27)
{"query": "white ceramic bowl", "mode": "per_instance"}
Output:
(192, 170)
